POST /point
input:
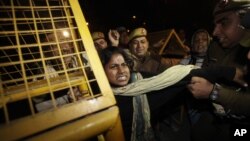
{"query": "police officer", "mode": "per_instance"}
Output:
(232, 36)
(99, 40)
(237, 103)
(143, 59)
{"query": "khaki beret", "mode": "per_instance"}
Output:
(97, 35)
(230, 5)
(138, 32)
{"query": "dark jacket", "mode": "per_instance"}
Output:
(236, 102)
(235, 57)
(149, 64)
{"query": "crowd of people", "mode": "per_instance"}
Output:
(215, 96)
(195, 98)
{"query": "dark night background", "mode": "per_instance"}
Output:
(155, 15)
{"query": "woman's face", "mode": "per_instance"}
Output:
(117, 70)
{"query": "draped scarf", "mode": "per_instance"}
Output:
(141, 127)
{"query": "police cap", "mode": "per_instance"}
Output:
(97, 35)
(138, 32)
(230, 5)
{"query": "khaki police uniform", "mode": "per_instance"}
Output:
(218, 127)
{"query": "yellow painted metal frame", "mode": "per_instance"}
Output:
(106, 122)
(79, 120)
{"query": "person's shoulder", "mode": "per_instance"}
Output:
(153, 55)
(185, 60)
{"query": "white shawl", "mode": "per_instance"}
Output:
(140, 103)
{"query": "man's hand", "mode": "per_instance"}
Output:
(114, 37)
(200, 87)
(77, 94)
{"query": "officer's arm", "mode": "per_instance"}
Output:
(234, 102)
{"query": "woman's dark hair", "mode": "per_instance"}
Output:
(106, 54)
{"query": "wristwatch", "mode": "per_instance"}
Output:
(215, 92)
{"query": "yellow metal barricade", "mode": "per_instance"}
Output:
(53, 86)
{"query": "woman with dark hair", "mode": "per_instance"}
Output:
(137, 97)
